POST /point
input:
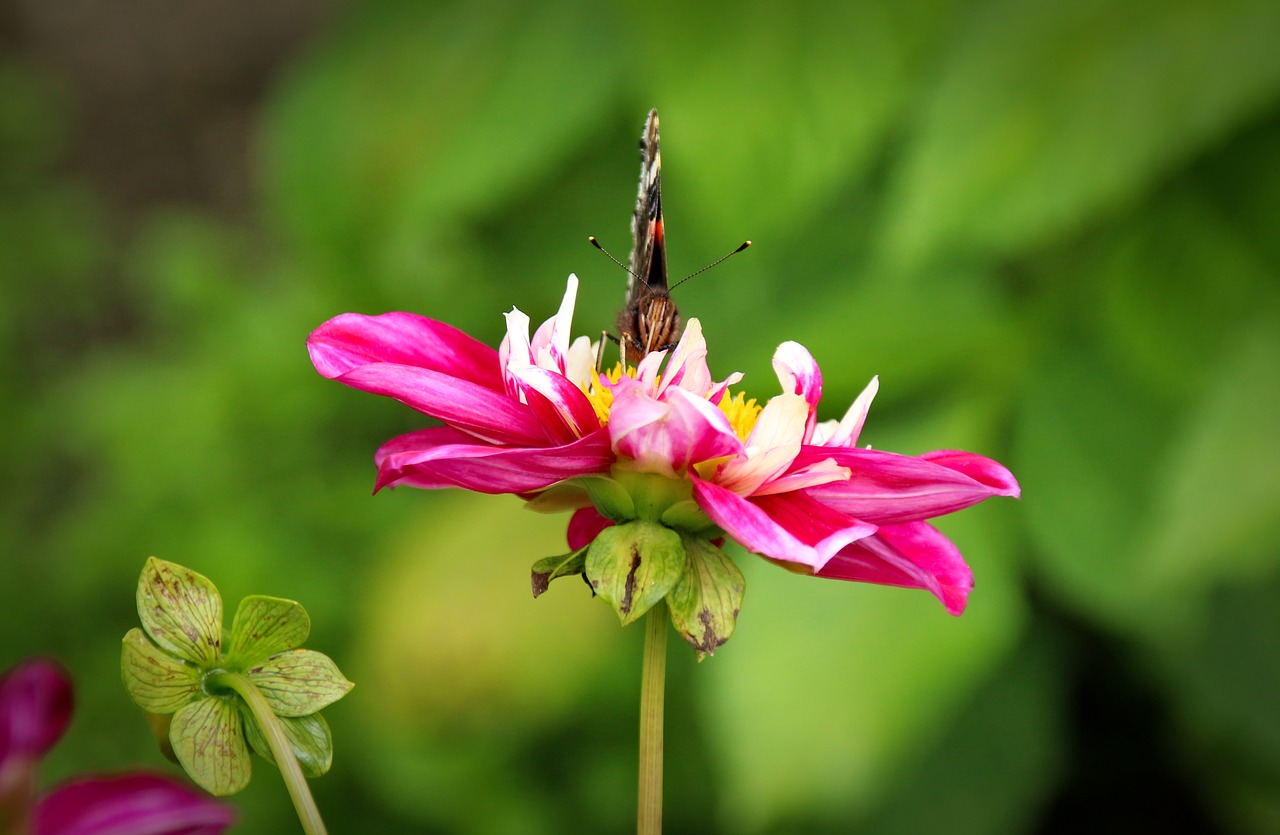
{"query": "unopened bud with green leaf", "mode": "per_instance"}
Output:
(258, 692)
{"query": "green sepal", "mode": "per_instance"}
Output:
(299, 682)
(264, 626)
(157, 682)
(160, 723)
(633, 566)
(612, 499)
(704, 604)
(208, 740)
(567, 495)
(181, 610)
(688, 517)
(562, 565)
(652, 494)
(309, 737)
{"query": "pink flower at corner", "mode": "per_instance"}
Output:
(534, 414)
(35, 709)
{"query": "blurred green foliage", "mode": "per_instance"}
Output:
(1050, 228)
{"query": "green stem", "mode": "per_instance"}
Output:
(652, 685)
(281, 750)
(17, 794)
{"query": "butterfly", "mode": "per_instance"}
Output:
(649, 321)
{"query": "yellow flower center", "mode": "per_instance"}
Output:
(600, 396)
(742, 413)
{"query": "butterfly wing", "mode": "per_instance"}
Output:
(649, 321)
(648, 253)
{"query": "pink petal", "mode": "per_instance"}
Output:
(442, 457)
(914, 555)
(560, 405)
(129, 804)
(351, 340)
(647, 371)
(484, 412)
(718, 390)
(887, 488)
(584, 526)
(35, 709)
(687, 368)
(798, 373)
(667, 436)
(982, 470)
(790, 527)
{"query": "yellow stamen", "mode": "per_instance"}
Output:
(600, 396)
(742, 413)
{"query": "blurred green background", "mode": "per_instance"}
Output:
(1051, 228)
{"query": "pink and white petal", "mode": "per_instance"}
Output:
(771, 447)
(584, 526)
(790, 527)
(913, 555)
(887, 488)
(547, 415)
(798, 373)
(482, 411)
(716, 394)
(801, 478)
(648, 370)
(559, 403)
(551, 342)
(667, 436)
(687, 368)
(515, 350)
(634, 411)
(351, 340)
(846, 431)
(487, 468)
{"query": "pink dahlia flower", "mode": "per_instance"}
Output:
(35, 709)
(535, 418)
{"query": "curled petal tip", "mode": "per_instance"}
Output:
(989, 473)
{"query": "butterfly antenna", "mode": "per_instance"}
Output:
(609, 255)
(719, 260)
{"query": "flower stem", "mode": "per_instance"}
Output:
(281, 750)
(652, 686)
(17, 794)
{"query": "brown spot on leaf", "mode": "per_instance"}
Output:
(629, 588)
(710, 640)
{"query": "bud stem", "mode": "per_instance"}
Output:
(652, 686)
(281, 750)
